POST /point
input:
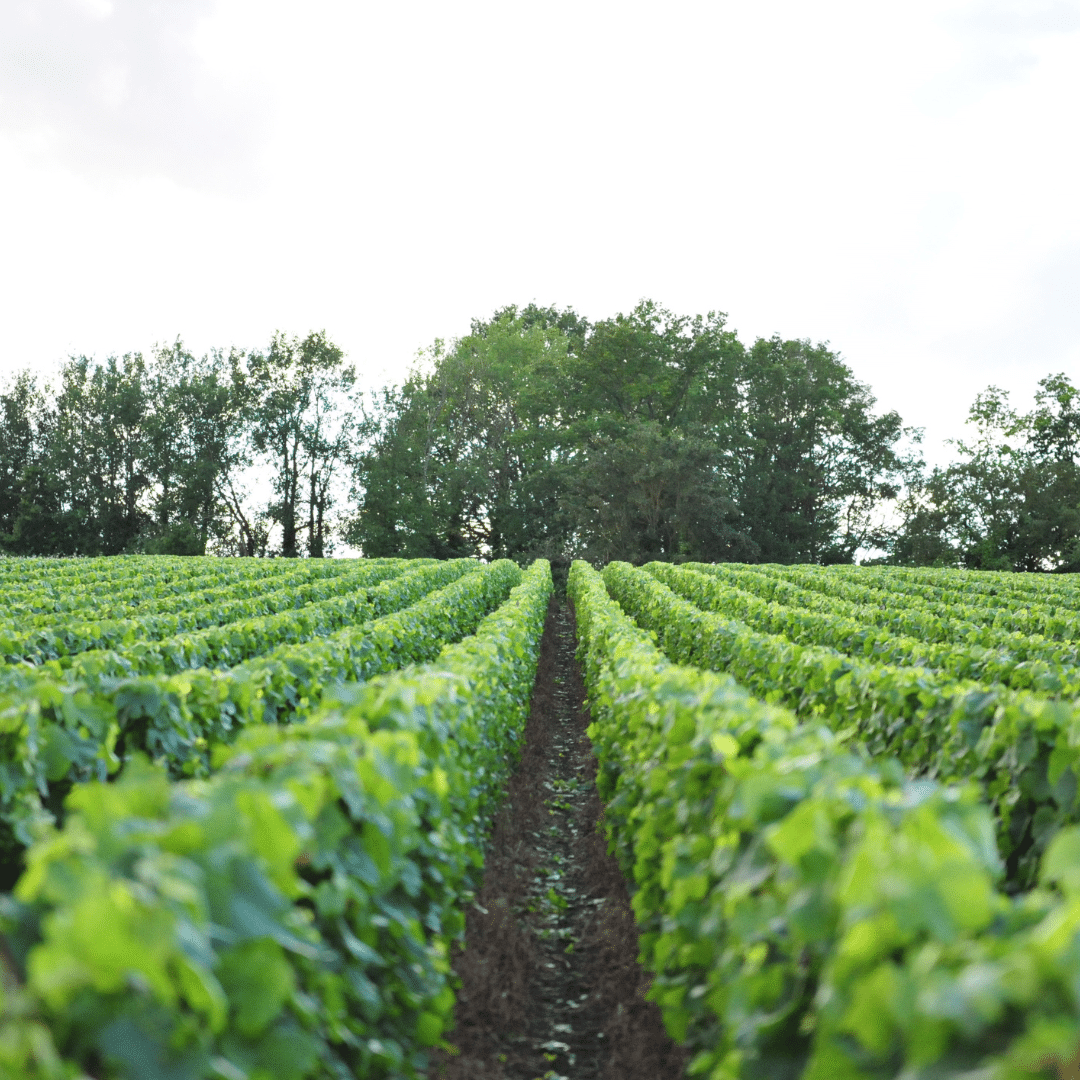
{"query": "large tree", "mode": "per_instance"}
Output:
(1011, 498)
(123, 455)
(20, 406)
(651, 416)
(815, 460)
(464, 455)
(193, 426)
(93, 450)
(297, 394)
(649, 435)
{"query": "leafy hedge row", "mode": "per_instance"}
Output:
(1024, 662)
(1021, 747)
(24, 568)
(37, 564)
(55, 578)
(291, 916)
(831, 595)
(239, 630)
(54, 735)
(1055, 589)
(967, 587)
(807, 911)
(971, 614)
(158, 641)
(185, 594)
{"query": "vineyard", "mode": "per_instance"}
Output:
(847, 798)
(305, 759)
(247, 807)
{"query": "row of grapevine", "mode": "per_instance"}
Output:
(64, 639)
(56, 733)
(961, 614)
(1020, 745)
(972, 593)
(807, 908)
(1056, 589)
(58, 579)
(289, 915)
(883, 630)
(847, 802)
(190, 598)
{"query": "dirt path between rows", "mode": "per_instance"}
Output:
(551, 986)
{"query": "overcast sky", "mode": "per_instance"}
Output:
(899, 180)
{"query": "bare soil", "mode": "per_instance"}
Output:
(550, 983)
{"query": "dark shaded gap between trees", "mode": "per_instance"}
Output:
(550, 980)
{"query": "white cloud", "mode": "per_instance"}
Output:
(120, 88)
(1019, 17)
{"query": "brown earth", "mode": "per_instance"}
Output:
(550, 983)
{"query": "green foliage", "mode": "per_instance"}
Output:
(462, 462)
(296, 393)
(817, 462)
(646, 435)
(1011, 499)
(653, 423)
(122, 455)
(1017, 743)
(156, 586)
(806, 910)
(291, 915)
(136, 454)
(56, 733)
(223, 634)
(952, 636)
(27, 1049)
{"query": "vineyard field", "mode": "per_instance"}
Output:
(848, 802)
(238, 833)
(246, 808)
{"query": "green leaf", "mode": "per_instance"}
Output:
(1061, 863)
(258, 980)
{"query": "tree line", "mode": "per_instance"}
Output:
(155, 455)
(649, 435)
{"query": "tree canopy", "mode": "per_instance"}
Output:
(1011, 499)
(155, 454)
(649, 435)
